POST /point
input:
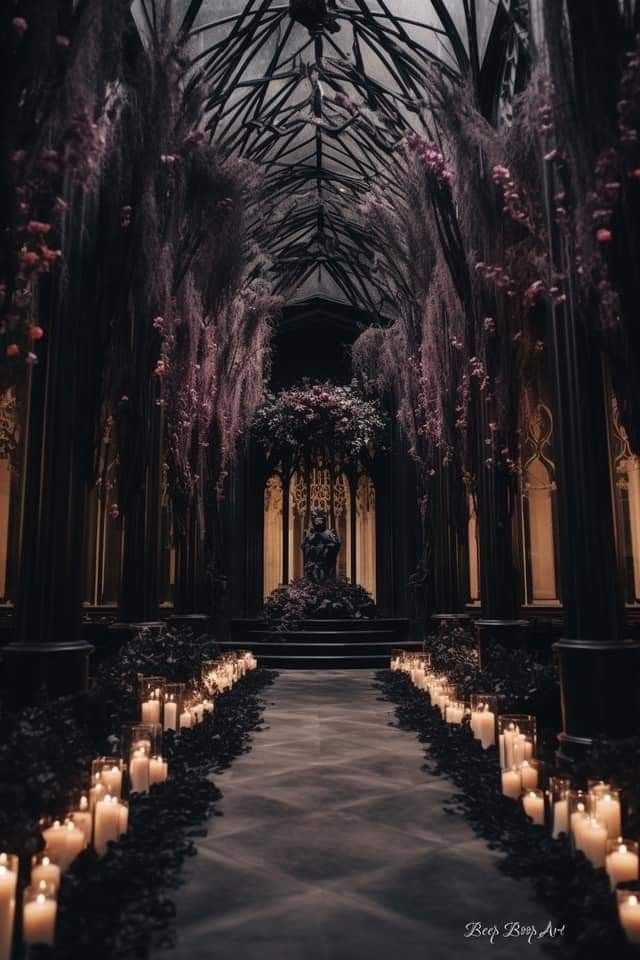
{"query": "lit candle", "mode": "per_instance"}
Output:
(158, 770)
(578, 818)
(629, 914)
(151, 709)
(209, 706)
(522, 749)
(529, 775)
(511, 783)
(55, 839)
(593, 840)
(96, 792)
(607, 810)
(8, 882)
(112, 779)
(560, 817)
(39, 917)
(485, 727)
(186, 720)
(170, 713)
(44, 870)
(73, 845)
(139, 770)
(108, 823)
(621, 864)
(533, 804)
(83, 819)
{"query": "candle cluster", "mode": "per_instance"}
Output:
(99, 815)
(592, 818)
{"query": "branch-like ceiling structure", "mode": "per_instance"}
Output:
(319, 93)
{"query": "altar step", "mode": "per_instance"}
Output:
(324, 644)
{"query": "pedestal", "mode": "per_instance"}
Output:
(600, 684)
(37, 670)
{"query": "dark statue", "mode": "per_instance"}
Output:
(320, 549)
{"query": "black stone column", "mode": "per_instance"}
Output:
(599, 667)
(46, 654)
(450, 561)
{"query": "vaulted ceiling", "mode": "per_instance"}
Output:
(319, 93)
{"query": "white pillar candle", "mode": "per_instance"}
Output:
(511, 784)
(560, 817)
(502, 751)
(621, 865)
(123, 818)
(55, 840)
(629, 914)
(139, 770)
(186, 720)
(522, 749)
(578, 817)
(73, 845)
(39, 919)
(594, 841)
(96, 792)
(533, 804)
(8, 883)
(112, 779)
(608, 812)
(170, 715)
(158, 770)
(151, 711)
(485, 728)
(83, 819)
(108, 823)
(45, 872)
(529, 775)
(509, 736)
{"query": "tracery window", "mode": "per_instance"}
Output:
(538, 506)
(626, 466)
(357, 557)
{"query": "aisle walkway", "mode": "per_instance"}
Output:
(334, 845)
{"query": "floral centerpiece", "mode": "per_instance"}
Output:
(325, 419)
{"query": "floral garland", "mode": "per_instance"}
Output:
(320, 418)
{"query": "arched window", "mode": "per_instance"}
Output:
(473, 550)
(103, 533)
(318, 493)
(272, 549)
(538, 508)
(627, 496)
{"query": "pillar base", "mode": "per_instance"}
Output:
(37, 670)
(510, 634)
(600, 688)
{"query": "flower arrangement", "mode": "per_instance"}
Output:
(322, 418)
(302, 599)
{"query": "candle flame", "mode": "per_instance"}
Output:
(40, 898)
(3, 870)
(632, 901)
(42, 885)
(581, 807)
(46, 861)
(3, 858)
(622, 848)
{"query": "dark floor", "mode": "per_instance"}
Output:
(334, 845)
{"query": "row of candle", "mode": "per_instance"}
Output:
(592, 819)
(176, 707)
(100, 815)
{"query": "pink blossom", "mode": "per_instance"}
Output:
(20, 25)
(603, 235)
(62, 40)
